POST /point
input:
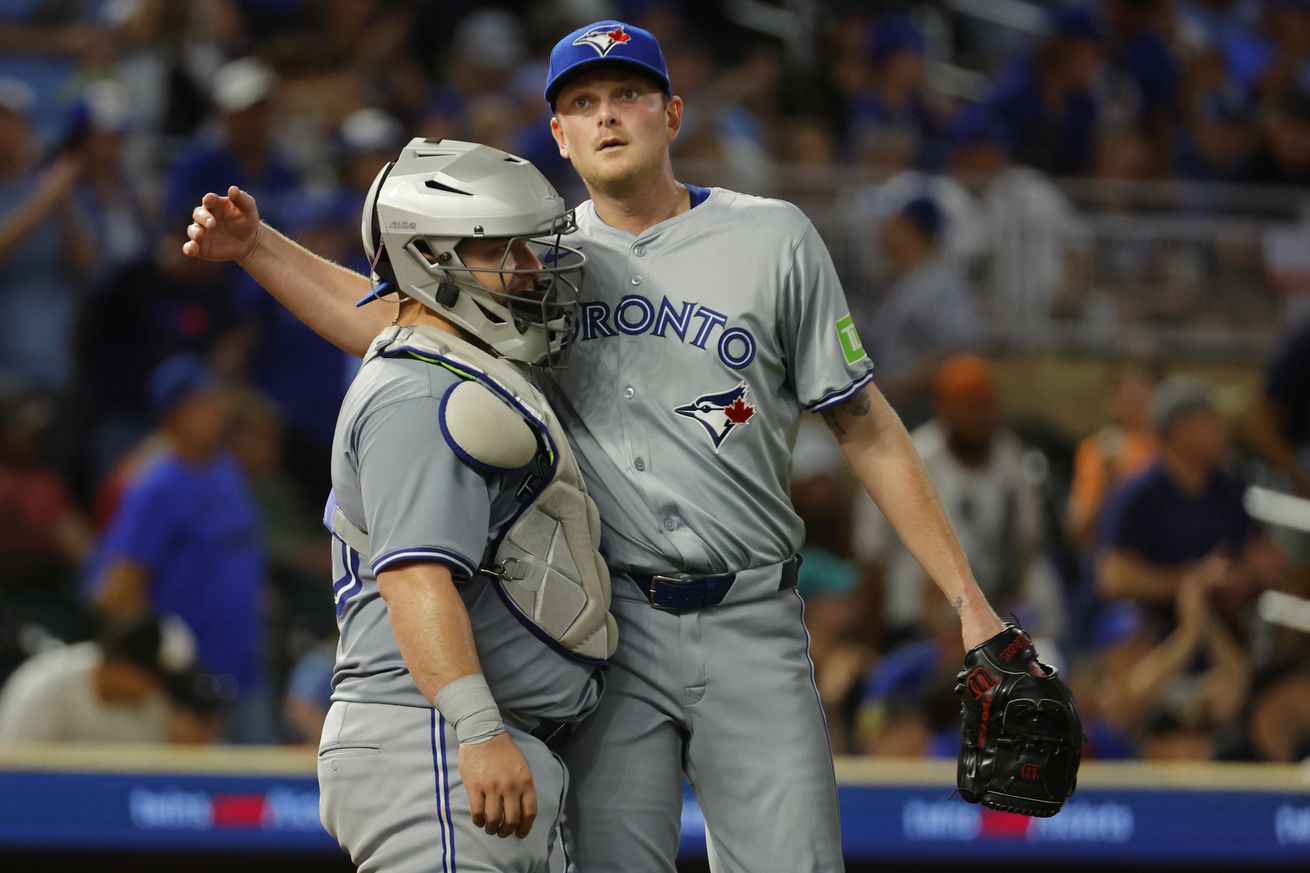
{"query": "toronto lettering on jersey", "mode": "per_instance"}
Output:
(689, 322)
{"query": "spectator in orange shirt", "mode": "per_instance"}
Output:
(1118, 451)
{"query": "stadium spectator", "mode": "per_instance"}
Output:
(1182, 520)
(895, 93)
(44, 535)
(927, 313)
(37, 230)
(141, 313)
(1278, 421)
(908, 705)
(1118, 451)
(186, 540)
(1283, 157)
(299, 556)
(1277, 722)
(885, 155)
(306, 376)
(977, 467)
(1047, 100)
(1156, 694)
(1026, 224)
(1218, 141)
(240, 150)
(1285, 43)
(113, 226)
(201, 702)
(309, 693)
(1144, 72)
(112, 690)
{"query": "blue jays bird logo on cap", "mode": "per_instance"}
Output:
(602, 39)
(720, 414)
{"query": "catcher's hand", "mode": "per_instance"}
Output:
(1022, 737)
(223, 228)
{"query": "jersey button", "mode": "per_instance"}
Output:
(639, 251)
(670, 524)
(629, 392)
(636, 280)
(640, 464)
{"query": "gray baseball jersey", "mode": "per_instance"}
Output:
(388, 763)
(395, 476)
(699, 344)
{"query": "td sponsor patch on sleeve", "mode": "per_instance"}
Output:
(851, 346)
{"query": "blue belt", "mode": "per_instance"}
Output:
(682, 592)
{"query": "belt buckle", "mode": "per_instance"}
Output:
(675, 579)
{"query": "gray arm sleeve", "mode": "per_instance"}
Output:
(827, 359)
(420, 501)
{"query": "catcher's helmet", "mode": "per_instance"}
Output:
(439, 193)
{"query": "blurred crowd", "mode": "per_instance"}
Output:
(1130, 556)
(165, 426)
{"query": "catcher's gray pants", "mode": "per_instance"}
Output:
(391, 794)
(725, 694)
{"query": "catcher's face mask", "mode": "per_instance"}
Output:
(533, 283)
(443, 201)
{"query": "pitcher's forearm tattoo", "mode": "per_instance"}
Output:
(857, 407)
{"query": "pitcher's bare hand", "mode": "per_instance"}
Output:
(224, 228)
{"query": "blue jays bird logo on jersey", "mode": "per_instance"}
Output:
(720, 414)
(602, 39)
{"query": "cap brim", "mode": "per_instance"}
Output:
(591, 64)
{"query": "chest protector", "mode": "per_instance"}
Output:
(545, 565)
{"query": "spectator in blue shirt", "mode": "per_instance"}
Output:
(1183, 519)
(1145, 67)
(1218, 143)
(240, 151)
(896, 96)
(186, 540)
(1046, 101)
(40, 270)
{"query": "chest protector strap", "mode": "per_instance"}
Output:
(545, 565)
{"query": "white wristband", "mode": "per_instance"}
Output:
(471, 710)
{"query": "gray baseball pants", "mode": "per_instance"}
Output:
(391, 794)
(726, 696)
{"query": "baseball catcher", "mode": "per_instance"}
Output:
(1022, 737)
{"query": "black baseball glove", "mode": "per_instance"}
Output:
(1022, 737)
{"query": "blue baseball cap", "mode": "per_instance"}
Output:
(177, 379)
(1078, 22)
(893, 34)
(924, 213)
(609, 43)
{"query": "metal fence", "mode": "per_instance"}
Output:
(1193, 270)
